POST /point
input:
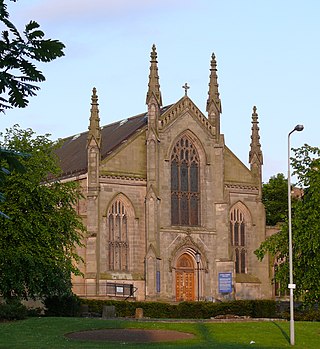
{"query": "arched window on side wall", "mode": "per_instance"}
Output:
(185, 191)
(238, 240)
(118, 245)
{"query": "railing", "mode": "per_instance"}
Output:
(104, 289)
(124, 290)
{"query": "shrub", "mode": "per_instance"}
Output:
(68, 305)
(13, 310)
(309, 315)
(159, 309)
(34, 312)
(188, 310)
(264, 309)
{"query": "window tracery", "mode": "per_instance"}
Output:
(185, 192)
(118, 245)
(238, 240)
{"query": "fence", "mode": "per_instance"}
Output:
(104, 289)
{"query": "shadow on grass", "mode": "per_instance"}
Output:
(284, 333)
(205, 333)
(209, 341)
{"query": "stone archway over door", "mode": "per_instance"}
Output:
(185, 278)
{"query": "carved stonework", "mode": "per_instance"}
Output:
(166, 203)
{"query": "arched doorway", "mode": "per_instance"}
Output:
(185, 285)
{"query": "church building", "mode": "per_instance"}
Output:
(171, 213)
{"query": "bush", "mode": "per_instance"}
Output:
(264, 309)
(188, 310)
(309, 315)
(34, 312)
(68, 305)
(13, 310)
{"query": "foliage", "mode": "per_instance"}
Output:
(188, 310)
(13, 310)
(9, 160)
(275, 199)
(18, 52)
(66, 305)
(18, 74)
(309, 315)
(37, 243)
(305, 230)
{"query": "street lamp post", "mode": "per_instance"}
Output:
(291, 285)
(198, 272)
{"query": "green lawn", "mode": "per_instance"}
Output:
(48, 333)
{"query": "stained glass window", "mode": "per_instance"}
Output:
(185, 193)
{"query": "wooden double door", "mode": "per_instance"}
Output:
(185, 279)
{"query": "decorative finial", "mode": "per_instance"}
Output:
(213, 61)
(94, 125)
(94, 97)
(154, 86)
(254, 111)
(153, 54)
(186, 88)
(255, 154)
(213, 94)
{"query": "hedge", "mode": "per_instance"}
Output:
(188, 310)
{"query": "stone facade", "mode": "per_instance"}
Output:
(169, 207)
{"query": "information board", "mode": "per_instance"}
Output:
(225, 282)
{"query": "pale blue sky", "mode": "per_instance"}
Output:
(268, 55)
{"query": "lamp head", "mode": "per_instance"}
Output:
(198, 256)
(299, 128)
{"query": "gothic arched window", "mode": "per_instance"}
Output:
(118, 246)
(238, 240)
(185, 191)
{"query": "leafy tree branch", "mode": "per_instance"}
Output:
(18, 52)
(305, 230)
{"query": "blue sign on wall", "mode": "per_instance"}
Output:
(225, 282)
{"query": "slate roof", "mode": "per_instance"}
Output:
(73, 152)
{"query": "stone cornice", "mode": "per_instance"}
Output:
(123, 178)
(241, 187)
(187, 231)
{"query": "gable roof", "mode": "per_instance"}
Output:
(173, 112)
(73, 155)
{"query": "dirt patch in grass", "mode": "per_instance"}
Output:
(130, 335)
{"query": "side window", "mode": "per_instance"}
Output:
(118, 246)
(238, 240)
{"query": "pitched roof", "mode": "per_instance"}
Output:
(72, 153)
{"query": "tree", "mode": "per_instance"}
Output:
(305, 230)
(18, 74)
(37, 243)
(275, 199)
(9, 161)
(18, 52)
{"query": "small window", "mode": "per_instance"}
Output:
(238, 240)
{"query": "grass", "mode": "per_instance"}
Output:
(48, 333)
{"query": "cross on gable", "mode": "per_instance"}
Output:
(186, 88)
